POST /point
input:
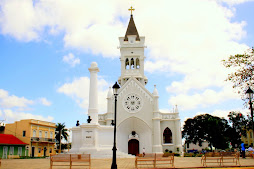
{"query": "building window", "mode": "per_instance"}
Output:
(11, 150)
(50, 150)
(51, 134)
(20, 151)
(137, 63)
(39, 150)
(127, 64)
(46, 134)
(132, 63)
(24, 133)
(5, 150)
(40, 133)
(167, 136)
(34, 133)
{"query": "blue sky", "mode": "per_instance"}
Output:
(46, 48)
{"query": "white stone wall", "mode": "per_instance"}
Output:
(174, 126)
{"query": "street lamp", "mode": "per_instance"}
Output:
(115, 91)
(250, 93)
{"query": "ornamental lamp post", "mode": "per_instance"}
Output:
(115, 91)
(250, 93)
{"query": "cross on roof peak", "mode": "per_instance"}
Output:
(131, 9)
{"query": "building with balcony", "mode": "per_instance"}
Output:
(249, 139)
(39, 135)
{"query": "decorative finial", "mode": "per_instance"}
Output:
(131, 9)
(89, 119)
(77, 124)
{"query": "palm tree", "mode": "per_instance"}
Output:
(61, 130)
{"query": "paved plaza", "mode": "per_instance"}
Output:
(180, 162)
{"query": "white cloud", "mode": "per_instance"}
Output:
(172, 29)
(12, 116)
(224, 113)
(207, 98)
(44, 101)
(7, 101)
(90, 26)
(187, 37)
(79, 91)
(234, 2)
(71, 60)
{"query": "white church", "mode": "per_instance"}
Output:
(140, 124)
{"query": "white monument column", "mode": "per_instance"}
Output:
(109, 107)
(93, 93)
(157, 147)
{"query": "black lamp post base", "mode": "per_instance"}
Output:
(114, 165)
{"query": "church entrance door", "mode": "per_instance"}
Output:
(133, 147)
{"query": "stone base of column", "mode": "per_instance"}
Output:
(157, 149)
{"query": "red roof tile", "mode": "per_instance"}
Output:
(10, 139)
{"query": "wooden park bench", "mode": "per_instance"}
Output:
(250, 154)
(211, 157)
(13, 156)
(70, 160)
(164, 159)
(230, 157)
(147, 159)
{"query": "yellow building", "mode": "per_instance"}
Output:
(249, 138)
(40, 135)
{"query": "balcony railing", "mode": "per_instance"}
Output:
(41, 139)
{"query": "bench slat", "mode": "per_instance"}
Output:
(82, 159)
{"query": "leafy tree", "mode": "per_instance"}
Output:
(207, 127)
(243, 66)
(240, 125)
(60, 128)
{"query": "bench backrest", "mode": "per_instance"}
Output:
(159, 155)
(230, 154)
(212, 154)
(80, 156)
(227, 153)
(60, 157)
(147, 155)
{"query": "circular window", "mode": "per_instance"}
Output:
(132, 103)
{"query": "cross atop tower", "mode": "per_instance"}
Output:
(131, 9)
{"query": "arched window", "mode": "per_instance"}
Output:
(127, 64)
(137, 63)
(132, 63)
(167, 136)
(34, 133)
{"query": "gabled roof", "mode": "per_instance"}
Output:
(131, 30)
(141, 87)
(8, 139)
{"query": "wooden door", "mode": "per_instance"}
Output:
(33, 148)
(45, 151)
(133, 147)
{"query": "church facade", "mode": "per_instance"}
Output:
(140, 124)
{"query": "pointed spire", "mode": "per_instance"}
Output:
(155, 91)
(176, 109)
(131, 30)
(110, 93)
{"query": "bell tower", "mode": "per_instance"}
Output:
(132, 54)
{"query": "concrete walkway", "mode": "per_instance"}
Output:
(122, 163)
